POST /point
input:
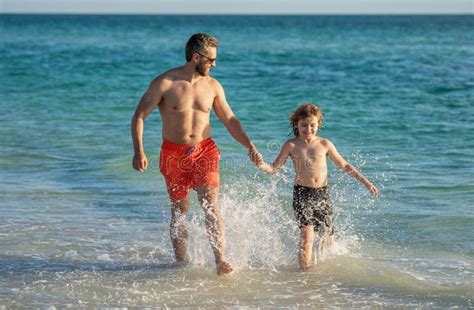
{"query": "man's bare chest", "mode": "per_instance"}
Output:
(182, 98)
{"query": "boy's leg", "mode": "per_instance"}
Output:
(330, 243)
(178, 228)
(326, 243)
(208, 197)
(305, 254)
(322, 246)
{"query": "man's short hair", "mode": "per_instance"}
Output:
(198, 43)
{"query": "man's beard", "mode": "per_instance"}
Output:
(201, 69)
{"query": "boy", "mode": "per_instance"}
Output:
(311, 200)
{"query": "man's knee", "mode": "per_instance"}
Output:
(178, 218)
(208, 195)
(180, 207)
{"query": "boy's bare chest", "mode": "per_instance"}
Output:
(311, 153)
(182, 97)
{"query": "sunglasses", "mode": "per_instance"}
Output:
(211, 60)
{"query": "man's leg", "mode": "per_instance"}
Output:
(208, 197)
(178, 229)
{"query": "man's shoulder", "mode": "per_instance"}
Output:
(167, 76)
(165, 79)
(213, 81)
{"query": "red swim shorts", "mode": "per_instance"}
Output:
(189, 166)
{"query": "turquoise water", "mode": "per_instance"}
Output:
(79, 227)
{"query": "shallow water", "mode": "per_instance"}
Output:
(79, 227)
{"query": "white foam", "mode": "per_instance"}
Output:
(104, 258)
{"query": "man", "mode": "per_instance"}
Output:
(189, 158)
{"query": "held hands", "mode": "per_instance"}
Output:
(140, 162)
(257, 159)
(255, 156)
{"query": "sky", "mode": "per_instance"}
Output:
(239, 6)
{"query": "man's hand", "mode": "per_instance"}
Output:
(255, 156)
(373, 190)
(140, 162)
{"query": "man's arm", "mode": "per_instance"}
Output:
(147, 104)
(230, 121)
(340, 162)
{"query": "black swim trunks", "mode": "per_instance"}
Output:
(313, 206)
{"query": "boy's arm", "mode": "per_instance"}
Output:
(348, 168)
(279, 161)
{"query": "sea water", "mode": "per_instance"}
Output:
(80, 227)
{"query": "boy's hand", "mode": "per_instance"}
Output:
(373, 190)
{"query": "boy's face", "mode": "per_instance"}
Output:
(307, 127)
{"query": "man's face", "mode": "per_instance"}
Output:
(206, 60)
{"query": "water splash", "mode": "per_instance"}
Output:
(261, 231)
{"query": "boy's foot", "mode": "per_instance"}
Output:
(224, 268)
(306, 268)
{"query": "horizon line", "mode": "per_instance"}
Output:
(242, 14)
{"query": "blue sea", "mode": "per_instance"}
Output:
(79, 227)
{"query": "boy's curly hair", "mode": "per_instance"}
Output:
(305, 110)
